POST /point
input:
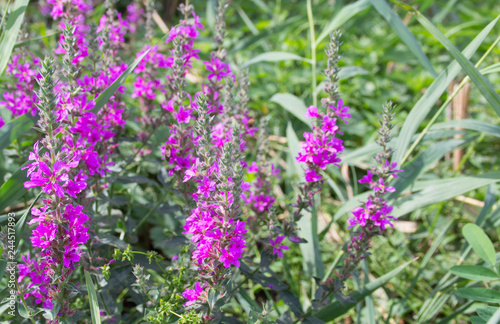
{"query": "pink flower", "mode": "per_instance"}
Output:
(367, 178)
(70, 255)
(193, 294)
(207, 187)
(341, 110)
(382, 188)
(312, 176)
(277, 248)
(312, 112)
(48, 179)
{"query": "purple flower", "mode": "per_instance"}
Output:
(206, 187)
(367, 178)
(312, 176)
(277, 248)
(218, 68)
(341, 110)
(70, 255)
(382, 188)
(312, 112)
(193, 294)
(48, 179)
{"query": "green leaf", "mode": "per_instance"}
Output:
(486, 312)
(441, 190)
(474, 272)
(13, 189)
(435, 90)
(495, 319)
(421, 163)
(482, 83)
(479, 294)
(341, 17)
(404, 33)
(470, 124)
(9, 37)
(94, 304)
(480, 243)
(275, 57)
(339, 308)
(109, 92)
(14, 129)
(293, 104)
(19, 228)
(252, 40)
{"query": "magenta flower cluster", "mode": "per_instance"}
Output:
(376, 212)
(321, 147)
(79, 143)
(21, 98)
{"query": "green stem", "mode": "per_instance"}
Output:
(25, 305)
(151, 211)
(313, 52)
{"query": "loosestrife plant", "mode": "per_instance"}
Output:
(180, 146)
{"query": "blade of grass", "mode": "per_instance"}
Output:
(404, 33)
(341, 17)
(9, 37)
(312, 36)
(484, 86)
(106, 94)
(293, 104)
(435, 90)
(94, 304)
(275, 57)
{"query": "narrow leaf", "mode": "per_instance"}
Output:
(435, 90)
(94, 304)
(275, 57)
(480, 242)
(470, 124)
(474, 272)
(441, 190)
(293, 104)
(479, 294)
(9, 37)
(109, 92)
(14, 129)
(341, 17)
(482, 83)
(404, 33)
